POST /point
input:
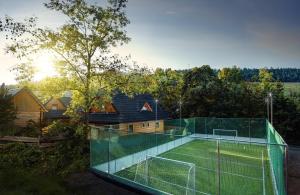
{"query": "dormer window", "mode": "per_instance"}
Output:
(54, 107)
(146, 107)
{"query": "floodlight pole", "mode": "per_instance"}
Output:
(156, 101)
(219, 167)
(180, 104)
(268, 108)
(271, 106)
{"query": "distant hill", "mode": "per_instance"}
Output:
(279, 74)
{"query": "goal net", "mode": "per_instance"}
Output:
(167, 175)
(225, 132)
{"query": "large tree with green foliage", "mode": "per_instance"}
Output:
(82, 45)
(167, 86)
(201, 92)
(7, 109)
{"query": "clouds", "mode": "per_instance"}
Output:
(282, 40)
(175, 33)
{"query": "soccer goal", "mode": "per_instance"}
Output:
(167, 175)
(225, 132)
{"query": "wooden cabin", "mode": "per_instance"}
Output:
(56, 108)
(27, 105)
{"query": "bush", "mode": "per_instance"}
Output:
(9, 129)
(32, 129)
(57, 128)
(17, 181)
(20, 155)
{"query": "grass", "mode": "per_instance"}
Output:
(291, 88)
(240, 167)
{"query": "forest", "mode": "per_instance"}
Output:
(279, 74)
(203, 92)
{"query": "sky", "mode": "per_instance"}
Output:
(184, 34)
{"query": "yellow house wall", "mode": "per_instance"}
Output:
(25, 103)
(138, 126)
(27, 108)
(60, 106)
(24, 117)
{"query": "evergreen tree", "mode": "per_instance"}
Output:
(7, 110)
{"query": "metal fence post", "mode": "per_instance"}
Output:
(249, 127)
(219, 168)
(286, 167)
(109, 139)
(194, 125)
(263, 172)
(205, 126)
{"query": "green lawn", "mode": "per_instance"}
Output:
(240, 167)
(290, 88)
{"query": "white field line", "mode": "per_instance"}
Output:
(244, 164)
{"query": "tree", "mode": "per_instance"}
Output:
(82, 45)
(7, 110)
(167, 87)
(232, 75)
(24, 73)
(201, 92)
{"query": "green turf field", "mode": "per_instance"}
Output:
(241, 169)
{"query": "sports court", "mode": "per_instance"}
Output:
(189, 160)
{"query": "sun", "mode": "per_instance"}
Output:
(44, 65)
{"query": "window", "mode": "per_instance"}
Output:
(54, 107)
(146, 107)
(156, 124)
(143, 125)
(148, 124)
(130, 128)
(114, 127)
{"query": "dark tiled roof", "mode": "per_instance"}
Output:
(129, 110)
(65, 100)
(13, 91)
(55, 114)
(58, 114)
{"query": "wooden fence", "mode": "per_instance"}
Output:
(42, 142)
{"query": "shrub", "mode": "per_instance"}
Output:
(20, 155)
(32, 129)
(57, 128)
(17, 181)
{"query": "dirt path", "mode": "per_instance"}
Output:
(294, 171)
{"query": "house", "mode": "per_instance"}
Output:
(56, 108)
(140, 113)
(27, 105)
